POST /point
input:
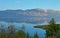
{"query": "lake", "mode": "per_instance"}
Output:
(28, 28)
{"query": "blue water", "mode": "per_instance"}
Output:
(28, 28)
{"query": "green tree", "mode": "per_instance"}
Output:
(52, 28)
(58, 34)
(23, 27)
(27, 35)
(2, 31)
(20, 34)
(31, 37)
(11, 31)
(36, 35)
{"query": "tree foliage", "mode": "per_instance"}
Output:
(58, 34)
(52, 28)
(36, 35)
(10, 32)
(28, 36)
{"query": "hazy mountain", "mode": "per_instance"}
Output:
(29, 15)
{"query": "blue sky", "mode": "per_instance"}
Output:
(29, 4)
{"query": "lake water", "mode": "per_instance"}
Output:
(28, 28)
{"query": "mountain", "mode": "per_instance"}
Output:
(29, 16)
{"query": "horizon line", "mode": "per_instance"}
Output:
(30, 9)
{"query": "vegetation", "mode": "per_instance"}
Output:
(28, 35)
(36, 35)
(11, 32)
(52, 31)
(58, 34)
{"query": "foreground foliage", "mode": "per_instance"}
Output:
(12, 32)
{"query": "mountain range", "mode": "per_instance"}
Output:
(36, 16)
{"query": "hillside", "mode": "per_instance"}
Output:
(37, 16)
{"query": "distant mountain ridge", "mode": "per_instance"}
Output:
(29, 16)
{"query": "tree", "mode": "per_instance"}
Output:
(27, 35)
(23, 27)
(36, 35)
(58, 34)
(2, 31)
(52, 28)
(20, 34)
(11, 31)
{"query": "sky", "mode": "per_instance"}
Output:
(29, 4)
